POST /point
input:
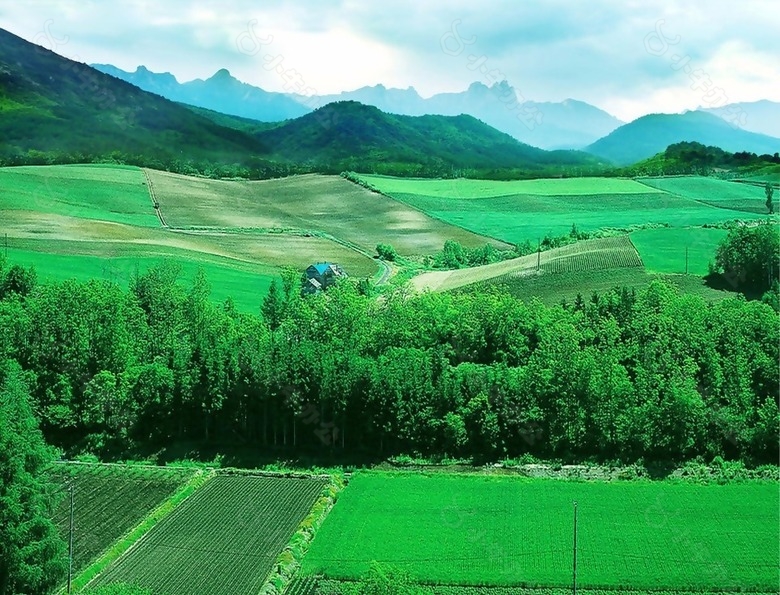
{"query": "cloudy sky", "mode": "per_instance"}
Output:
(626, 56)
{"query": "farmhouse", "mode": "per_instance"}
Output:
(321, 276)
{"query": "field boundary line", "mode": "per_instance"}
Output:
(153, 197)
(638, 255)
(128, 542)
(287, 563)
(429, 215)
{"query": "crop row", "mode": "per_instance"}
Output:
(225, 539)
(311, 586)
(107, 502)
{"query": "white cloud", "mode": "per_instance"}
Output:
(550, 50)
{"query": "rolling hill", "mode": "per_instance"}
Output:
(51, 104)
(347, 134)
(569, 124)
(649, 135)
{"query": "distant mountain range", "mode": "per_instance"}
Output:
(762, 116)
(649, 135)
(570, 124)
(222, 92)
(53, 105)
(565, 125)
(56, 107)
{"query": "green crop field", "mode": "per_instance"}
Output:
(477, 530)
(713, 191)
(530, 209)
(664, 250)
(225, 538)
(328, 204)
(244, 283)
(99, 222)
(104, 193)
(588, 255)
(464, 188)
(314, 586)
(108, 501)
(552, 289)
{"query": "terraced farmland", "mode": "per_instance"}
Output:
(588, 255)
(224, 539)
(108, 502)
(478, 530)
(310, 586)
(594, 255)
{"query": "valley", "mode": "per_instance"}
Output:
(265, 340)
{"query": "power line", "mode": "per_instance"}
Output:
(70, 538)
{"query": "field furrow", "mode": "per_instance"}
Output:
(224, 539)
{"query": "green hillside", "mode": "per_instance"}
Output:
(348, 135)
(651, 134)
(51, 104)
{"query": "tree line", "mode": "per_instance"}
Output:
(653, 375)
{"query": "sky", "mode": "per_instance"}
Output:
(627, 57)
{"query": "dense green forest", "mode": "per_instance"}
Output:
(653, 375)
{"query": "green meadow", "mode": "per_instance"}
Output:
(499, 530)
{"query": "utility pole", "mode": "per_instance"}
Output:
(538, 253)
(70, 540)
(686, 260)
(574, 559)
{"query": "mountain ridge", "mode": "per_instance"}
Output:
(565, 125)
(651, 134)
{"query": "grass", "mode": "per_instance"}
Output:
(227, 278)
(327, 204)
(664, 250)
(108, 502)
(713, 191)
(224, 539)
(473, 530)
(103, 193)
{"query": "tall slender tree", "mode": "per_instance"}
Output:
(32, 554)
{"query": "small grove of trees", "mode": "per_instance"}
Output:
(748, 257)
(32, 554)
(386, 252)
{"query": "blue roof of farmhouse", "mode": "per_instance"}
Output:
(322, 267)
